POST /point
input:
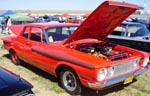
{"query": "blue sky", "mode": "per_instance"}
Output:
(59, 4)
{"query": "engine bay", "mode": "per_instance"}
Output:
(104, 51)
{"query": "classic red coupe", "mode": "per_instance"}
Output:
(79, 54)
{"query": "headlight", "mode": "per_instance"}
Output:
(102, 74)
(136, 62)
(145, 62)
(111, 70)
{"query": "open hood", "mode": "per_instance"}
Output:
(103, 20)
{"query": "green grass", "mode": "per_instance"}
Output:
(47, 85)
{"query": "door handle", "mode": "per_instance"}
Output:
(27, 43)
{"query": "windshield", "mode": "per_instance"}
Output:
(59, 33)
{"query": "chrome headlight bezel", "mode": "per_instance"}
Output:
(145, 62)
(102, 74)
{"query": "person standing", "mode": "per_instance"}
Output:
(3, 24)
(8, 21)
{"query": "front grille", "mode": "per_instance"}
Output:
(124, 67)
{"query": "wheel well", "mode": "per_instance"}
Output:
(59, 68)
(11, 49)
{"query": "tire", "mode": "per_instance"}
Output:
(14, 57)
(70, 81)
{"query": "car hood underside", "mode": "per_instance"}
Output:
(103, 20)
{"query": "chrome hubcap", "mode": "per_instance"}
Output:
(69, 80)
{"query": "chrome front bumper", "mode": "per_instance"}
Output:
(115, 80)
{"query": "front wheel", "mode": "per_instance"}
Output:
(70, 81)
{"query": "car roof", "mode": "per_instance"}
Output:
(50, 24)
(17, 29)
(131, 23)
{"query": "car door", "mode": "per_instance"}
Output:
(31, 36)
(37, 38)
(21, 45)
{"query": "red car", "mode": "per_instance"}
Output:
(79, 54)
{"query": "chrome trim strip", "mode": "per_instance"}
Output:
(59, 57)
(141, 71)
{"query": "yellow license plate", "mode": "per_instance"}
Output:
(128, 80)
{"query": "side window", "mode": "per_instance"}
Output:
(26, 32)
(133, 30)
(119, 31)
(37, 35)
(51, 32)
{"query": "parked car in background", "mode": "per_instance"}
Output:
(13, 85)
(144, 21)
(73, 19)
(77, 54)
(134, 35)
